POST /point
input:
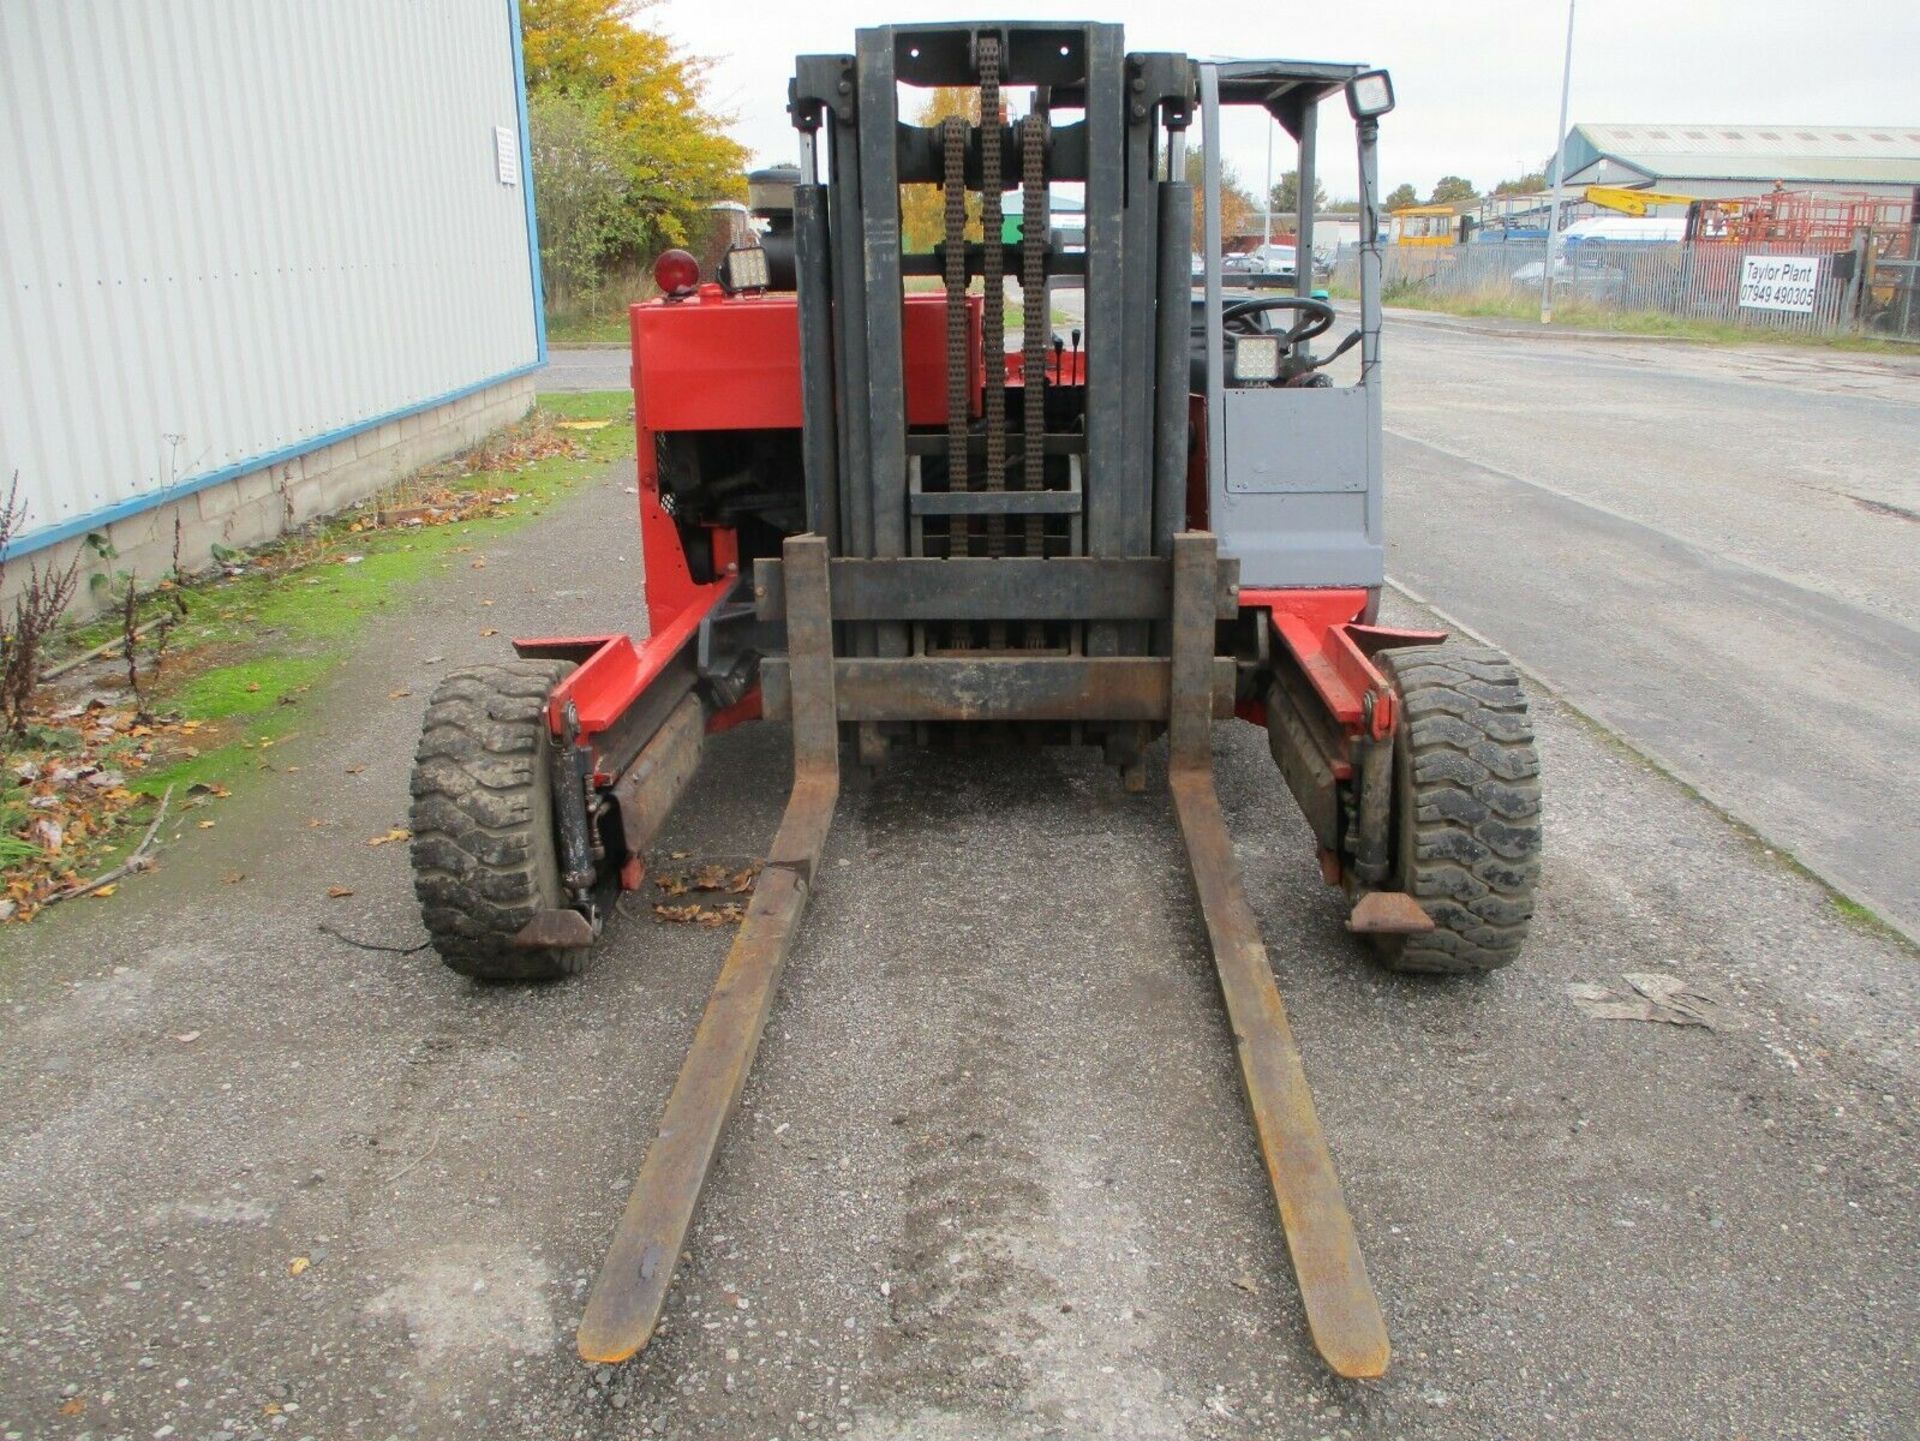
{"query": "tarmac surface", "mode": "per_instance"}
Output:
(1715, 551)
(992, 1176)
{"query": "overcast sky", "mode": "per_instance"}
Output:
(1478, 84)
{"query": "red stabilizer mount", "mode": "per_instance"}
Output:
(1334, 649)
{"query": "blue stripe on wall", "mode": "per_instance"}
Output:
(107, 515)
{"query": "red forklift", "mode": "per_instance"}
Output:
(875, 511)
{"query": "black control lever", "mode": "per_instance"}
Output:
(1339, 350)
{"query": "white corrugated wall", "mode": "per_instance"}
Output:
(230, 230)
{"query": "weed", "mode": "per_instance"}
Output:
(36, 611)
(265, 627)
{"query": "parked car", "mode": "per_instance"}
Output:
(1589, 272)
(1530, 273)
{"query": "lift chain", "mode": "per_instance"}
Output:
(959, 410)
(994, 318)
(954, 139)
(1033, 299)
(993, 271)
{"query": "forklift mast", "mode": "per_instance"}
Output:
(1098, 117)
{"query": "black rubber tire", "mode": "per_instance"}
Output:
(484, 860)
(1466, 807)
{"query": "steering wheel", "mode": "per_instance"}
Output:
(1316, 316)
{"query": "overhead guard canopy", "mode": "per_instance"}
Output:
(1285, 88)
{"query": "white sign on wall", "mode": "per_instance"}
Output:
(506, 155)
(1778, 282)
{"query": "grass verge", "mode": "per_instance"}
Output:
(1578, 314)
(258, 634)
(608, 328)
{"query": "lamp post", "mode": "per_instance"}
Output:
(1559, 181)
(1266, 225)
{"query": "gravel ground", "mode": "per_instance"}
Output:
(992, 1176)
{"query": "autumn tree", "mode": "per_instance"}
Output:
(1452, 190)
(605, 91)
(1285, 197)
(1400, 197)
(1532, 183)
(1236, 206)
(923, 208)
(580, 184)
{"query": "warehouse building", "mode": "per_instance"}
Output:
(257, 261)
(1722, 161)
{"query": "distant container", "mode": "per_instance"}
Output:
(258, 257)
(1631, 229)
(1424, 225)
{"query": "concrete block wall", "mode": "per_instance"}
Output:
(257, 507)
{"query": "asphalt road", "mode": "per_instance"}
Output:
(586, 367)
(992, 1177)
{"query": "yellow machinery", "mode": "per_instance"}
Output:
(1423, 225)
(1633, 202)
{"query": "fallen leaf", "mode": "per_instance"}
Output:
(491, 630)
(104, 892)
(336, 892)
(355, 770)
(187, 1038)
(295, 1267)
(233, 878)
(73, 1407)
(698, 915)
(216, 789)
(479, 562)
(253, 685)
(398, 694)
(398, 833)
(1246, 1283)
(206, 825)
(314, 823)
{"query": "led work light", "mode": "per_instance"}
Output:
(744, 268)
(1256, 357)
(1369, 95)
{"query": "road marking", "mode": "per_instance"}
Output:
(1840, 611)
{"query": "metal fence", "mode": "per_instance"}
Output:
(1700, 282)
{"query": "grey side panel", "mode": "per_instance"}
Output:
(1296, 441)
(1300, 502)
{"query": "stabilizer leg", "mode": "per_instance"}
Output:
(1342, 1312)
(625, 1303)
